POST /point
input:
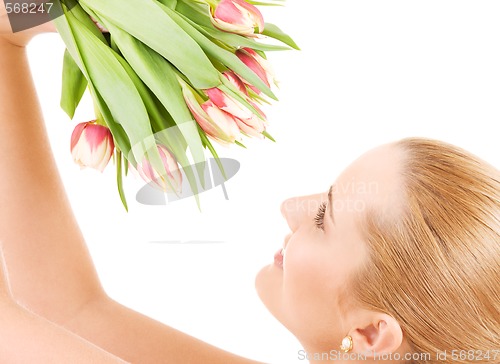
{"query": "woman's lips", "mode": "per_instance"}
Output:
(278, 259)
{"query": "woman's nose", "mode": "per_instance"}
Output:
(288, 211)
(297, 210)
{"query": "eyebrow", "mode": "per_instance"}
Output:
(330, 204)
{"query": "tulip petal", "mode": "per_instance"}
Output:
(223, 120)
(229, 13)
(92, 145)
(171, 181)
(77, 133)
(251, 12)
(238, 16)
(228, 103)
(259, 65)
(251, 130)
(236, 81)
(95, 135)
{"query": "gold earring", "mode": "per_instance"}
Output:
(346, 344)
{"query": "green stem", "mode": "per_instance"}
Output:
(98, 115)
(119, 179)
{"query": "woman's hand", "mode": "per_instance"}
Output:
(22, 38)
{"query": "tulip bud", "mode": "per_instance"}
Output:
(218, 124)
(228, 103)
(258, 64)
(252, 127)
(172, 181)
(92, 145)
(238, 16)
(236, 81)
(248, 122)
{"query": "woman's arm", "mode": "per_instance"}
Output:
(140, 339)
(44, 249)
(28, 338)
(50, 269)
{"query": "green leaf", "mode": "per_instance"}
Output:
(273, 31)
(66, 32)
(210, 147)
(117, 93)
(78, 13)
(74, 85)
(268, 136)
(170, 3)
(168, 133)
(240, 144)
(119, 179)
(113, 45)
(125, 167)
(162, 80)
(166, 37)
(199, 16)
(157, 74)
(116, 89)
(122, 141)
(198, 13)
(239, 41)
(229, 59)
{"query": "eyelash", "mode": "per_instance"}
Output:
(319, 218)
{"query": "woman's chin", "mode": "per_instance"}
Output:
(269, 287)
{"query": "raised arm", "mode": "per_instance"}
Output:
(50, 269)
(43, 247)
(26, 337)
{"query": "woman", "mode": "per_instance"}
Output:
(401, 256)
(400, 259)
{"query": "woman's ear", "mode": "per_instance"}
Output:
(378, 335)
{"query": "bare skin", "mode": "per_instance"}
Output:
(49, 267)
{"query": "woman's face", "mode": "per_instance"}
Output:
(324, 247)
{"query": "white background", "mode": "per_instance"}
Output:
(369, 72)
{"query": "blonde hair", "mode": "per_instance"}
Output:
(435, 267)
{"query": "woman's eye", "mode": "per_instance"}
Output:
(319, 218)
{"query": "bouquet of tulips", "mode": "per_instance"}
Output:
(167, 78)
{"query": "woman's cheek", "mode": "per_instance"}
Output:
(300, 268)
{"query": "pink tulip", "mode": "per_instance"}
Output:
(238, 16)
(258, 64)
(172, 181)
(217, 123)
(248, 122)
(223, 117)
(252, 127)
(92, 145)
(236, 81)
(228, 104)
